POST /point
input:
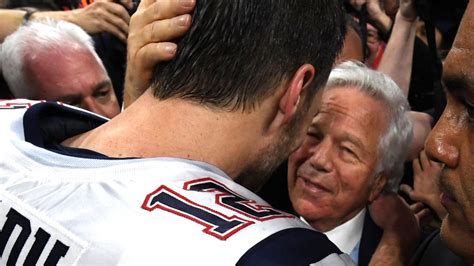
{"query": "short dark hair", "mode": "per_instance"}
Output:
(237, 51)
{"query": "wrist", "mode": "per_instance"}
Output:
(28, 16)
(406, 19)
(384, 21)
(402, 243)
(70, 16)
(59, 15)
(390, 251)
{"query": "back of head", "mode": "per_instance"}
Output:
(236, 52)
(394, 143)
(34, 38)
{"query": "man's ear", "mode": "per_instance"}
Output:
(290, 101)
(377, 187)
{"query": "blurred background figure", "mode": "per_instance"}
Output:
(56, 60)
(106, 22)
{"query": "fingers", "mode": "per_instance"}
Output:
(165, 30)
(162, 9)
(412, 193)
(417, 207)
(416, 166)
(107, 16)
(425, 162)
(153, 53)
(357, 4)
(119, 15)
(406, 189)
(424, 216)
(114, 30)
(127, 3)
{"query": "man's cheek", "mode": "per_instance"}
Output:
(298, 156)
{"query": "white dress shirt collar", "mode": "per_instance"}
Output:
(347, 235)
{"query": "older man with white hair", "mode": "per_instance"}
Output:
(354, 149)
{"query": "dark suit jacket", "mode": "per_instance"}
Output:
(433, 252)
(275, 192)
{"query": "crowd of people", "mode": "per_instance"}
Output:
(211, 132)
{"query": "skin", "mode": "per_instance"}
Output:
(85, 85)
(139, 132)
(391, 7)
(99, 16)
(148, 41)
(331, 176)
(352, 49)
(452, 142)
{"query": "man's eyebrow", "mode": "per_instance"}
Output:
(103, 84)
(455, 83)
(353, 139)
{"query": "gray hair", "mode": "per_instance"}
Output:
(36, 37)
(394, 144)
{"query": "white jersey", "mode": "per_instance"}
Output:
(70, 206)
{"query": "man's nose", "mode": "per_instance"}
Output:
(321, 156)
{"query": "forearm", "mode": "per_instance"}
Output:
(398, 57)
(59, 15)
(12, 19)
(394, 249)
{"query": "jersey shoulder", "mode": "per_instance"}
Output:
(24, 119)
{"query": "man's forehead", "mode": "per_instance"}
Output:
(458, 68)
(465, 37)
(347, 101)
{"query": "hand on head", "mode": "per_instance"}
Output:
(152, 27)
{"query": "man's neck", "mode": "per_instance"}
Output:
(177, 128)
(329, 223)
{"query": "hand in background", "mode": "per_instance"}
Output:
(401, 230)
(375, 12)
(407, 10)
(391, 213)
(425, 188)
(103, 16)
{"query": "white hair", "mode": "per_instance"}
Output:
(36, 37)
(394, 144)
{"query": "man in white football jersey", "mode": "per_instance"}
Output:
(169, 180)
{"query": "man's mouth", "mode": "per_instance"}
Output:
(312, 185)
(447, 197)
